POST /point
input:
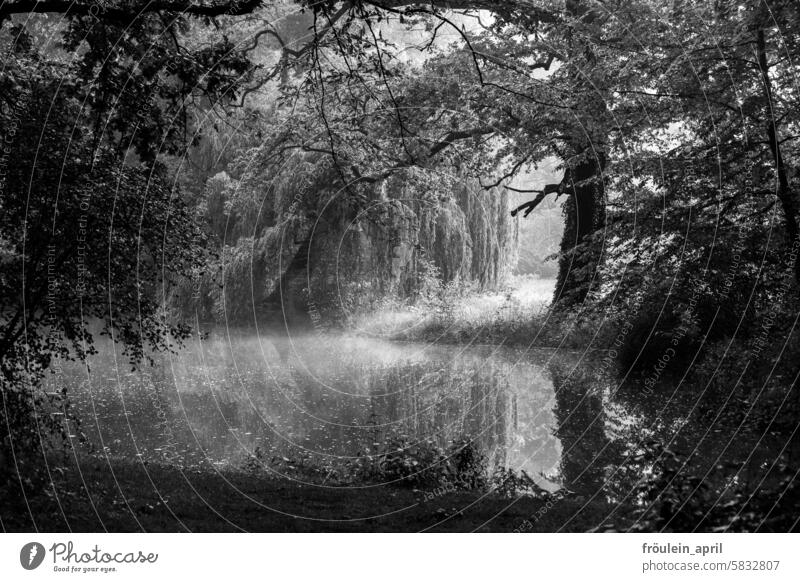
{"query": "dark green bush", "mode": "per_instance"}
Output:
(675, 499)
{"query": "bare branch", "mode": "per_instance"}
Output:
(507, 175)
(531, 205)
(454, 136)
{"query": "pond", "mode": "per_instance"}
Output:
(328, 399)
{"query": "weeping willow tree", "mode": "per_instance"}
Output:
(297, 240)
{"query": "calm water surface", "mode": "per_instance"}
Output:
(331, 398)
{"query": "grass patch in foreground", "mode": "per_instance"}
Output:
(128, 496)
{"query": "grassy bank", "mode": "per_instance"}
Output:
(518, 315)
(543, 329)
(125, 496)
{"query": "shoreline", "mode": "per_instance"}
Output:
(126, 498)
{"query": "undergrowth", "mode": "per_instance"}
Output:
(671, 497)
(518, 314)
(400, 461)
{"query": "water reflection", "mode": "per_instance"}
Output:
(331, 397)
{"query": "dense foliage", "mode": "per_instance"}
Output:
(93, 230)
(164, 161)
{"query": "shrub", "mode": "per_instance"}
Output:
(29, 429)
(400, 461)
(420, 463)
(672, 498)
(743, 384)
(509, 483)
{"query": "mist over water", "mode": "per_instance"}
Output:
(329, 399)
(316, 396)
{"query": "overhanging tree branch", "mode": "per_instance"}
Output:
(128, 10)
(531, 205)
(454, 136)
(507, 9)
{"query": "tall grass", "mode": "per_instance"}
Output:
(518, 314)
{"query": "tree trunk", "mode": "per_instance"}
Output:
(784, 192)
(584, 212)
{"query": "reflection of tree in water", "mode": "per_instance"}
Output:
(581, 428)
(443, 401)
(439, 400)
(329, 397)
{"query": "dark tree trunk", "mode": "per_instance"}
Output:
(784, 191)
(584, 213)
